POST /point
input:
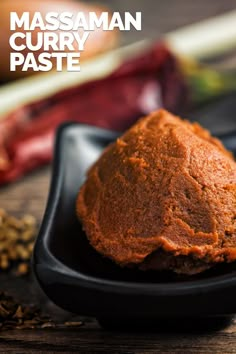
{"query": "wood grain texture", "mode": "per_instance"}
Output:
(29, 196)
(91, 339)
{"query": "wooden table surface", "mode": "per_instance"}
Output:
(29, 196)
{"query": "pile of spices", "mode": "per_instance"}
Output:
(16, 242)
(16, 316)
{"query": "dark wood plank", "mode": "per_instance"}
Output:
(29, 196)
(92, 339)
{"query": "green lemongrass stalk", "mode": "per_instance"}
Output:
(205, 82)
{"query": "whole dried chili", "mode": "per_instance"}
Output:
(138, 86)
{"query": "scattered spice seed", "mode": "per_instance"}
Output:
(17, 316)
(73, 323)
(23, 268)
(48, 325)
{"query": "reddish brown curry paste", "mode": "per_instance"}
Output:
(163, 196)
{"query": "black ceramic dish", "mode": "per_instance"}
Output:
(78, 279)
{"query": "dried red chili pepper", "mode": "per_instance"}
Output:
(138, 86)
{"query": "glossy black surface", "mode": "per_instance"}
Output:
(78, 279)
(219, 116)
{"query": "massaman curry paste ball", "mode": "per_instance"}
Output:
(162, 196)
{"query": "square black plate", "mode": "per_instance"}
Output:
(78, 279)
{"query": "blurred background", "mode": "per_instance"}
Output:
(159, 17)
